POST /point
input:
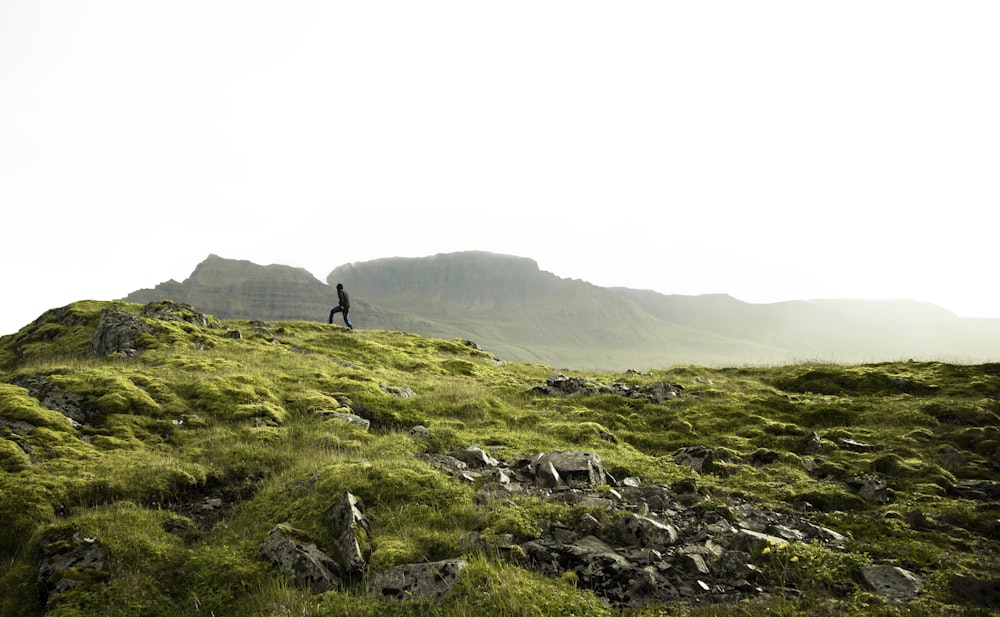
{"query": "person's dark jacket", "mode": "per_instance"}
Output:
(342, 298)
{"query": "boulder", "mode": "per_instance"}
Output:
(870, 488)
(892, 582)
(643, 532)
(349, 418)
(698, 458)
(418, 581)
(981, 490)
(420, 432)
(351, 531)
(575, 469)
(294, 555)
(475, 457)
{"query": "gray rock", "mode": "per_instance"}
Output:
(294, 555)
(981, 490)
(546, 476)
(813, 443)
(475, 457)
(576, 469)
(351, 530)
(892, 583)
(420, 581)
(53, 397)
(397, 391)
(870, 488)
(642, 531)
(167, 310)
(854, 446)
(349, 418)
(420, 432)
(698, 458)
(117, 332)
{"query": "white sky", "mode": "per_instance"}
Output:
(768, 150)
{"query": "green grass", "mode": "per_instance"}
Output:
(200, 414)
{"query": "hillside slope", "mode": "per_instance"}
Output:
(157, 461)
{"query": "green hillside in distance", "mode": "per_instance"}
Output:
(509, 306)
(159, 461)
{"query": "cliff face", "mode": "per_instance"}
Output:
(510, 307)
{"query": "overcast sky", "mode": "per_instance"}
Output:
(769, 150)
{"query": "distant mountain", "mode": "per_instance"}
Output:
(510, 307)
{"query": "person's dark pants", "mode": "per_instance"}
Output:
(340, 309)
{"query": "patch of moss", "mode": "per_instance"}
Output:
(12, 458)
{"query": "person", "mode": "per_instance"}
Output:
(343, 307)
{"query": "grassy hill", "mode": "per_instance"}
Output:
(160, 447)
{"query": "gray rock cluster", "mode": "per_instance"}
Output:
(561, 385)
(293, 553)
(665, 544)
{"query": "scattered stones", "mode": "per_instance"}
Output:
(657, 547)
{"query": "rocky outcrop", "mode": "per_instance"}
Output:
(117, 333)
